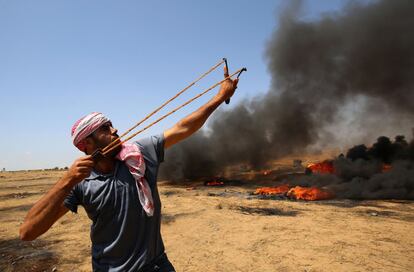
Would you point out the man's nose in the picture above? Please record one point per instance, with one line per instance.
(113, 131)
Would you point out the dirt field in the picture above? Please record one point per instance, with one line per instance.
(223, 229)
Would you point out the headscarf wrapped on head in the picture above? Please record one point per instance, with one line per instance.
(129, 153)
(85, 127)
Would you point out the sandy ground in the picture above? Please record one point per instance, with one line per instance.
(223, 229)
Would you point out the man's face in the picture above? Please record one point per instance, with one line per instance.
(102, 137)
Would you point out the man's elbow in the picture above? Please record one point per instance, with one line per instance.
(175, 135)
(25, 234)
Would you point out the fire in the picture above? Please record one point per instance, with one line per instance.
(386, 168)
(298, 192)
(283, 189)
(214, 183)
(325, 167)
(309, 193)
(218, 181)
(266, 172)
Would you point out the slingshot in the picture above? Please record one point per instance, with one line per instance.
(101, 153)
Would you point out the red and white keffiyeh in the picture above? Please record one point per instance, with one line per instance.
(129, 153)
(85, 127)
(133, 158)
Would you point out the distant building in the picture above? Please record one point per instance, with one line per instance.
(3, 170)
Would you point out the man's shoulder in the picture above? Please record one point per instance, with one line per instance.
(152, 148)
(150, 141)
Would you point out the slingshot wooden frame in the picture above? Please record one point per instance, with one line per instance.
(114, 144)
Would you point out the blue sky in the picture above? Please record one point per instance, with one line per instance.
(60, 60)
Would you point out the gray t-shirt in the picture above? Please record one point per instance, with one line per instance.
(123, 237)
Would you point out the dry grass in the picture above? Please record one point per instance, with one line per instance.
(221, 229)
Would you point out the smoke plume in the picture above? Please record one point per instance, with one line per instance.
(361, 173)
(317, 68)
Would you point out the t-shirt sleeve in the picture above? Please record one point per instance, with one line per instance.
(153, 148)
(74, 198)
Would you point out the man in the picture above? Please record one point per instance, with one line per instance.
(119, 192)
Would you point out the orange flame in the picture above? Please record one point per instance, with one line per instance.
(283, 189)
(311, 193)
(386, 167)
(266, 172)
(325, 167)
(214, 183)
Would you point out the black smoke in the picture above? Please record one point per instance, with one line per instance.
(317, 67)
(384, 150)
(362, 173)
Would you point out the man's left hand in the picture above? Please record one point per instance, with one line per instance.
(228, 87)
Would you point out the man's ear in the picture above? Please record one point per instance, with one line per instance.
(90, 144)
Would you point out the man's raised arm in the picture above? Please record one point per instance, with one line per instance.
(193, 122)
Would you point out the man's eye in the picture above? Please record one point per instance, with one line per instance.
(105, 127)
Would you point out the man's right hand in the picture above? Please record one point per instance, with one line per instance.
(80, 169)
(47, 210)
